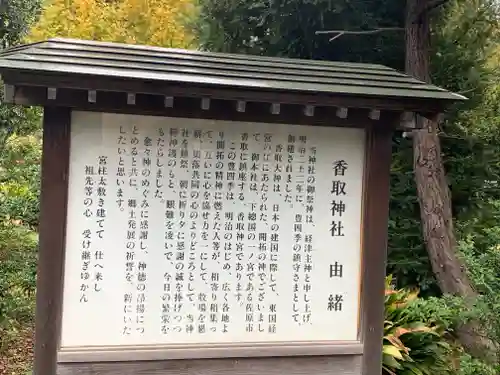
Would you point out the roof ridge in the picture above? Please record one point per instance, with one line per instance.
(21, 47)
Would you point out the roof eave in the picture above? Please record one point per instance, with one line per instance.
(19, 76)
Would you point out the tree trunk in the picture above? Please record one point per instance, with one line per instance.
(432, 186)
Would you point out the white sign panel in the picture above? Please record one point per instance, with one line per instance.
(189, 231)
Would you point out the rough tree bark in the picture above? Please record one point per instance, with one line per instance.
(432, 186)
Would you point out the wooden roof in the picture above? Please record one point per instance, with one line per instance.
(81, 64)
(175, 65)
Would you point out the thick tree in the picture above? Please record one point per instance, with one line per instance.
(432, 185)
(463, 38)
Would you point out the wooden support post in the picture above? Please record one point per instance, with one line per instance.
(376, 214)
(55, 165)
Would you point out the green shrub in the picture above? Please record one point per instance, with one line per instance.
(480, 249)
(412, 346)
(20, 179)
(20, 155)
(18, 258)
(19, 192)
(473, 366)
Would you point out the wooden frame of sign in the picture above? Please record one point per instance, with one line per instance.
(87, 105)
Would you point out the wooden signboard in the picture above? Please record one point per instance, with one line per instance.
(194, 229)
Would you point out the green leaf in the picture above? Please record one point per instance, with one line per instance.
(392, 351)
(391, 362)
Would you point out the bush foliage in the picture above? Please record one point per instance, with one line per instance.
(412, 344)
(19, 192)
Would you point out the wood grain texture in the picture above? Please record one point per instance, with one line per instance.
(375, 221)
(162, 352)
(189, 107)
(339, 365)
(422, 106)
(54, 187)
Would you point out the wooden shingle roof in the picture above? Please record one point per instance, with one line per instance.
(71, 56)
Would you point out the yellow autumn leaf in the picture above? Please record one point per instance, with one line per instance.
(392, 351)
(152, 22)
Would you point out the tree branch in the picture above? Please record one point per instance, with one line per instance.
(358, 32)
(467, 91)
(431, 5)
